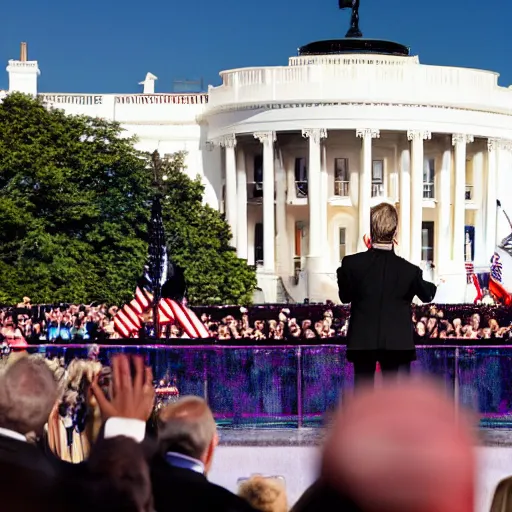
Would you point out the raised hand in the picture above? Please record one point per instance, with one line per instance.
(132, 397)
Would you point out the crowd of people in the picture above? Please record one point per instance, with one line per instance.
(136, 458)
(28, 324)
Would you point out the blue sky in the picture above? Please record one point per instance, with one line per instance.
(109, 45)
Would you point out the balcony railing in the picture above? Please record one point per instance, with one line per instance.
(469, 193)
(377, 189)
(254, 191)
(301, 189)
(428, 191)
(341, 188)
(384, 82)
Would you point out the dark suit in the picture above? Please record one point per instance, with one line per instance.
(380, 287)
(184, 489)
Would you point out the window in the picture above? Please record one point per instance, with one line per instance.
(343, 243)
(298, 239)
(301, 178)
(258, 176)
(378, 178)
(341, 177)
(429, 171)
(427, 241)
(258, 243)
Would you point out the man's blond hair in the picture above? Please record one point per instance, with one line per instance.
(384, 222)
(187, 427)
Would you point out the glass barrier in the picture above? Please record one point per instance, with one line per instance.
(295, 386)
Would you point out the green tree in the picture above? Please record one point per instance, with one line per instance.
(199, 238)
(73, 203)
(75, 200)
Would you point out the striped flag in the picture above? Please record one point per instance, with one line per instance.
(129, 318)
(470, 270)
(496, 268)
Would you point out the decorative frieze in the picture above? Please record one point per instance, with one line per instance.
(413, 135)
(265, 137)
(462, 138)
(315, 134)
(371, 133)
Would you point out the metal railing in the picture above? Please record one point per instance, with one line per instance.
(254, 191)
(377, 189)
(295, 385)
(301, 189)
(341, 188)
(428, 191)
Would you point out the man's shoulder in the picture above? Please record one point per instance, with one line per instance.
(193, 488)
(407, 265)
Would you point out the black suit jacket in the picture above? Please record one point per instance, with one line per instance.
(183, 489)
(380, 287)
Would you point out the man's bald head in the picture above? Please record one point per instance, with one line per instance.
(401, 449)
(187, 427)
(28, 392)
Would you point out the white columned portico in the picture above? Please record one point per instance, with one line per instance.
(459, 141)
(268, 139)
(241, 199)
(491, 208)
(228, 142)
(417, 137)
(365, 183)
(317, 231)
(443, 245)
(404, 228)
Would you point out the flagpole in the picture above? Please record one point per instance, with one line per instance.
(498, 206)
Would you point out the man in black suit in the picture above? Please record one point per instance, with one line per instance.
(187, 437)
(380, 287)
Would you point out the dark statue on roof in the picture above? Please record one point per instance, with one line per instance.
(354, 22)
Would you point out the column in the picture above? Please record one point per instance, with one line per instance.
(443, 224)
(417, 137)
(268, 139)
(459, 141)
(241, 198)
(491, 208)
(316, 218)
(481, 256)
(230, 203)
(404, 227)
(324, 174)
(283, 258)
(365, 183)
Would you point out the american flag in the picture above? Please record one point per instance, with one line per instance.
(470, 270)
(128, 319)
(157, 277)
(496, 267)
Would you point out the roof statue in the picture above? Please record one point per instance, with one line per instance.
(354, 22)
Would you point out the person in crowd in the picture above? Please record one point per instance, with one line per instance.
(28, 392)
(400, 448)
(380, 287)
(187, 436)
(121, 462)
(264, 494)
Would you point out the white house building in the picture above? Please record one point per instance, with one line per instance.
(296, 155)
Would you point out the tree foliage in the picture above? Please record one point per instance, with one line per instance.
(74, 203)
(199, 239)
